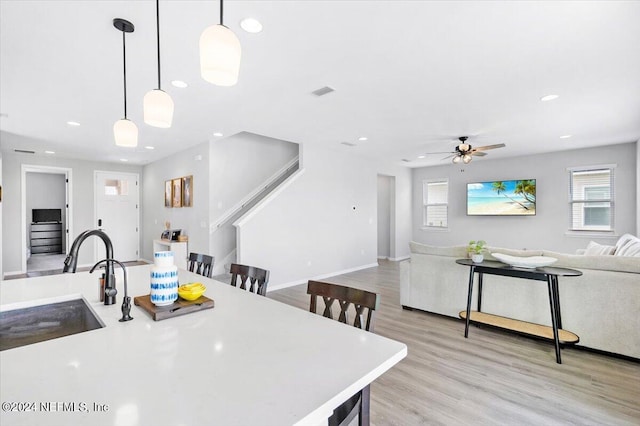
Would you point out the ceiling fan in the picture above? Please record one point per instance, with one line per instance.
(464, 151)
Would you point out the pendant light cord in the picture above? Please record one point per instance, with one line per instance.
(124, 61)
(221, 22)
(158, 37)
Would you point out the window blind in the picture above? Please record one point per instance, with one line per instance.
(591, 199)
(435, 199)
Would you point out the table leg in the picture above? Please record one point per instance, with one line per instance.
(466, 326)
(480, 275)
(554, 319)
(554, 281)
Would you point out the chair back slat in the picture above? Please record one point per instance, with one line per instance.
(201, 264)
(346, 297)
(258, 278)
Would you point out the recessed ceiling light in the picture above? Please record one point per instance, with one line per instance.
(251, 25)
(49, 152)
(73, 123)
(421, 156)
(549, 98)
(218, 134)
(150, 147)
(124, 160)
(363, 138)
(179, 83)
(565, 136)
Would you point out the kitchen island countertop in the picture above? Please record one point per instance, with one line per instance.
(248, 361)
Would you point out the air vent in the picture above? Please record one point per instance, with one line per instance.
(323, 91)
(348, 143)
(24, 151)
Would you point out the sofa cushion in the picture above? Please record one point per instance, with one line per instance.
(626, 245)
(598, 249)
(453, 251)
(604, 263)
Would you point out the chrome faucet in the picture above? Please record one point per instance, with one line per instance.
(126, 300)
(70, 263)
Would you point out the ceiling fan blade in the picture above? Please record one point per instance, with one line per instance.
(478, 153)
(443, 152)
(486, 147)
(447, 157)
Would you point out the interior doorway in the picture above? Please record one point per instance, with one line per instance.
(386, 216)
(46, 217)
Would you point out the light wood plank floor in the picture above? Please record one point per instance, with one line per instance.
(492, 378)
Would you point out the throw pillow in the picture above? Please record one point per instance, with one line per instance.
(595, 249)
(630, 248)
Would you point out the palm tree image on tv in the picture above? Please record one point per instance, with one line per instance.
(511, 197)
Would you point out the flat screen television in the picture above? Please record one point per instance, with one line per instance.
(502, 198)
(46, 215)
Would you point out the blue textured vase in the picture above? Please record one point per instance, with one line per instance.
(164, 279)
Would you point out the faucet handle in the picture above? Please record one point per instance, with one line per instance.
(110, 292)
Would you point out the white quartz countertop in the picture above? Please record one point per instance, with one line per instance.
(248, 361)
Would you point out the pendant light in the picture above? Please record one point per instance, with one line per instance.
(125, 131)
(158, 105)
(220, 53)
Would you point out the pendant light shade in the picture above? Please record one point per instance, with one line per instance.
(220, 53)
(158, 108)
(126, 133)
(158, 105)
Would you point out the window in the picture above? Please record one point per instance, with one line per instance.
(435, 196)
(591, 198)
(116, 187)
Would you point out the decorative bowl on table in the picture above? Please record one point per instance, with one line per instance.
(525, 262)
(191, 291)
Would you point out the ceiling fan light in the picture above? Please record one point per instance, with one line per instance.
(158, 109)
(464, 147)
(466, 159)
(456, 159)
(125, 133)
(220, 53)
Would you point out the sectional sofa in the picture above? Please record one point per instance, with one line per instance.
(602, 306)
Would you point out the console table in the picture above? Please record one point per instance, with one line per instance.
(548, 274)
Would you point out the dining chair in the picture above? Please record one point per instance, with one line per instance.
(362, 301)
(201, 264)
(258, 278)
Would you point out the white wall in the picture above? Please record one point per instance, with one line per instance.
(1, 203)
(401, 214)
(240, 164)
(548, 229)
(82, 201)
(311, 229)
(638, 187)
(194, 221)
(385, 188)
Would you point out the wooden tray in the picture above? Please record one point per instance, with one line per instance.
(177, 308)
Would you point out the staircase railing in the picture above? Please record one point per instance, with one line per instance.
(256, 195)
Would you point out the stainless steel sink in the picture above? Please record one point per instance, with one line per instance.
(33, 324)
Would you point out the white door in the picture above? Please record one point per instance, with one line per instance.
(117, 200)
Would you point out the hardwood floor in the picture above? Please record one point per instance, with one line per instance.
(491, 378)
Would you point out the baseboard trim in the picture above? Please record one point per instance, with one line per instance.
(398, 259)
(321, 277)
